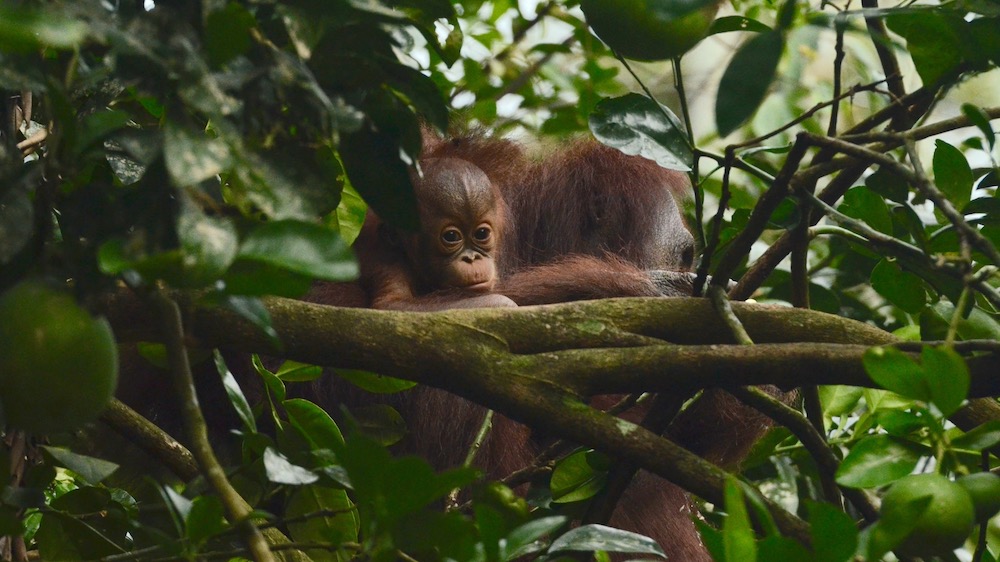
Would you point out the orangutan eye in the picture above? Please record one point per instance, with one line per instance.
(482, 234)
(451, 236)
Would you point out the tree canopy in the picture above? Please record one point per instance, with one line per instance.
(187, 169)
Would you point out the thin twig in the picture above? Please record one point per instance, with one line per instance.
(811, 439)
(196, 427)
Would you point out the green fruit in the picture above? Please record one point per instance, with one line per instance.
(58, 364)
(944, 524)
(984, 489)
(636, 30)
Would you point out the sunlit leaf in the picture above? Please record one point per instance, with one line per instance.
(878, 460)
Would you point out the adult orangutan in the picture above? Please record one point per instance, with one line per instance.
(586, 222)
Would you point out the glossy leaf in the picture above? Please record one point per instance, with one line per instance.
(574, 479)
(293, 371)
(521, 539)
(589, 538)
(314, 422)
(637, 125)
(281, 471)
(878, 460)
(235, 393)
(982, 437)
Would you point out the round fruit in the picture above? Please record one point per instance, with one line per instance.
(944, 524)
(635, 31)
(58, 364)
(984, 489)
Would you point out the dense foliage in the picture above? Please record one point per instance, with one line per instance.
(229, 150)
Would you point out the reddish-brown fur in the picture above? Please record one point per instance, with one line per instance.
(585, 222)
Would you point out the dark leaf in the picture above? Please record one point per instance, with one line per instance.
(747, 79)
(301, 247)
(637, 125)
(91, 470)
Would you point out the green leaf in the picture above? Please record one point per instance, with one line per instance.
(340, 526)
(227, 33)
(192, 157)
(301, 247)
(838, 400)
(208, 245)
(380, 422)
(952, 173)
(878, 460)
(95, 128)
(982, 437)
(574, 479)
(205, 519)
(639, 126)
(351, 214)
(235, 394)
(947, 377)
(727, 24)
(738, 535)
(372, 382)
(252, 310)
(293, 371)
(746, 80)
(888, 184)
(63, 537)
(317, 425)
(90, 469)
(784, 549)
(834, 534)
(978, 117)
(933, 40)
(248, 277)
(376, 171)
(281, 471)
(900, 287)
(589, 538)
(896, 371)
(522, 538)
(24, 29)
(864, 204)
